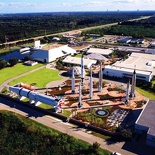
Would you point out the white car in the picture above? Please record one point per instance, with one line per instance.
(116, 153)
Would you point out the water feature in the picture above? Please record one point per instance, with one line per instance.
(14, 54)
(102, 113)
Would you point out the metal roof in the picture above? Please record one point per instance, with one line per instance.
(96, 56)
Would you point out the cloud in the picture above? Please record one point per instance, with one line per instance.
(22, 4)
(2, 4)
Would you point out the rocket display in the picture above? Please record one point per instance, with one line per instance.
(36, 97)
(73, 81)
(82, 70)
(80, 96)
(132, 93)
(100, 78)
(127, 92)
(91, 84)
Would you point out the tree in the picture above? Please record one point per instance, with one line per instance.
(3, 63)
(13, 61)
(26, 58)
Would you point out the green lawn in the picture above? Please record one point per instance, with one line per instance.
(145, 93)
(40, 77)
(18, 69)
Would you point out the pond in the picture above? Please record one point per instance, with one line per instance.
(14, 54)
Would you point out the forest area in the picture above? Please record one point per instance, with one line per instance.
(20, 135)
(22, 26)
(144, 28)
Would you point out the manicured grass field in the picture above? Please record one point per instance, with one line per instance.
(18, 69)
(145, 93)
(40, 78)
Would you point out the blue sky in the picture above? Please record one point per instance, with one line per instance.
(18, 6)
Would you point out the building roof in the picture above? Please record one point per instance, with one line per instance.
(147, 117)
(77, 61)
(124, 40)
(138, 61)
(96, 56)
(100, 51)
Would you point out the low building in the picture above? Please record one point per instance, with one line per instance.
(124, 40)
(145, 123)
(77, 61)
(143, 63)
(104, 52)
(49, 53)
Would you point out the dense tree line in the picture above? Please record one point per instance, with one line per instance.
(21, 136)
(137, 29)
(22, 26)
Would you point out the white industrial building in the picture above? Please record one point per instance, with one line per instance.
(145, 123)
(77, 61)
(104, 52)
(143, 63)
(49, 53)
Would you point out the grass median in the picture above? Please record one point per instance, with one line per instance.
(40, 77)
(18, 69)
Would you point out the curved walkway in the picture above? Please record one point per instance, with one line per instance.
(18, 76)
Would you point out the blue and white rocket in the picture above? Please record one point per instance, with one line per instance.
(36, 97)
(132, 92)
(73, 81)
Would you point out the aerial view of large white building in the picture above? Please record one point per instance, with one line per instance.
(143, 63)
(50, 53)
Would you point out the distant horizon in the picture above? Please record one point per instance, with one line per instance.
(37, 6)
(80, 11)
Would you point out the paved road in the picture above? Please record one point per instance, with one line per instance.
(57, 124)
(134, 148)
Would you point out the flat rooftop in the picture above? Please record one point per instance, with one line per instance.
(147, 117)
(51, 46)
(100, 51)
(137, 61)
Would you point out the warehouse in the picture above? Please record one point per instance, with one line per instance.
(145, 123)
(143, 63)
(50, 53)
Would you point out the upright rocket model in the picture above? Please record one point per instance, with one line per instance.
(100, 78)
(38, 98)
(73, 81)
(91, 84)
(132, 92)
(80, 96)
(82, 70)
(127, 92)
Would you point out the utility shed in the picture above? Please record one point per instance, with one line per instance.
(145, 123)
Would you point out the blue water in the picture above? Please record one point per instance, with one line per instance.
(15, 54)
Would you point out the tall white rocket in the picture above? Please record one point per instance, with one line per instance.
(80, 96)
(127, 92)
(73, 81)
(82, 70)
(100, 78)
(91, 83)
(132, 93)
